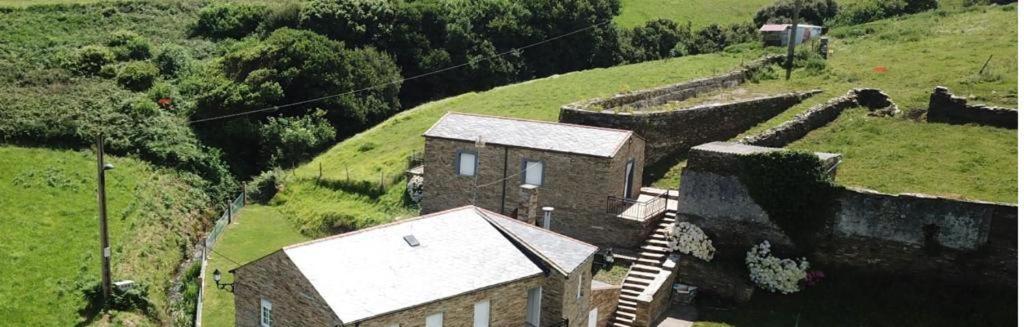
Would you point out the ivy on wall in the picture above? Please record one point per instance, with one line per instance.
(795, 190)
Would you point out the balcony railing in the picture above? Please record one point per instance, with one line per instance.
(641, 209)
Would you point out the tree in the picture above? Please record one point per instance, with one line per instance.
(815, 12)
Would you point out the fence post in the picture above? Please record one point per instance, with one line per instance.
(243, 194)
(229, 211)
(382, 181)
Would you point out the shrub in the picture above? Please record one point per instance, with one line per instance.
(128, 45)
(872, 10)
(656, 39)
(229, 20)
(91, 59)
(137, 75)
(690, 239)
(774, 274)
(709, 39)
(171, 59)
(286, 141)
(414, 188)
(264, 186)
(815, 12)
(352, 21)
(135, 298)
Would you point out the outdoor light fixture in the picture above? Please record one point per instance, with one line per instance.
(216, 280)
(108, 166)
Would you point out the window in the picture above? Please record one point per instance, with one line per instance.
(533, 172)
(266, 318)
(465, 164)
(579, 286)
(627, 191)
(435, 320)
(482, 314)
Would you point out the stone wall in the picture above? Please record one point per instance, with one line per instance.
(654, 300)
(820, 115)
(560, 297)
(577, 186)
(904, 233)
(675, 131)
(604, 298)
(294, 300)
(717, 278)
(508, 308)
(944, 107)
(675, 92)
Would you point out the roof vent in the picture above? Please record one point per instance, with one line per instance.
(413, 242)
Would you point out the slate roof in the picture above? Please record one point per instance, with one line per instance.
(374, 271)
(568, 138)
(562, 252)
(774, 27)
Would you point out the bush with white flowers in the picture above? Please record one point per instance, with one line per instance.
(774, 274)
(690, 239)
(415, 188)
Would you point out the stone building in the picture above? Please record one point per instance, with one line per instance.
(589, 176)
(461, 267)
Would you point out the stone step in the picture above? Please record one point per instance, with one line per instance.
(653, 248)
(670, 213)
(657, 242)
(622, 319)
(637, 280)
(623, 301)
(646, 268)
(626, 308)
(649, 262)
(631, 316)
(658, 236)
(635, 286)
(664, 225)
(630, 292)
(654, 255)
(619, 324)
(642, 274)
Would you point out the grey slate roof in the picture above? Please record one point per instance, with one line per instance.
(374, 271)
(562, 252)
(593, 141)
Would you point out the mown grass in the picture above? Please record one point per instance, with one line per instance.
(50, 250)
(917, 52)
(255, 232)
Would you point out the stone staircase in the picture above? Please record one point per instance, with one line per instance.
(644, 269)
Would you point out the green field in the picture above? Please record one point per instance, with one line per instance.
(918, 53)
(699, 12)
(255, 232)
(51, 247)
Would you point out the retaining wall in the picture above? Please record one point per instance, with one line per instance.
(675, 131)
(944, 107)
(895, 233)
(820, 115)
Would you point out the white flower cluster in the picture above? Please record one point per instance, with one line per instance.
(690, 239)
(774, 274)
(415, 188)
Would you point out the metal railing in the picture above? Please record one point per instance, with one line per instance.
(638, 210)
(219, 225)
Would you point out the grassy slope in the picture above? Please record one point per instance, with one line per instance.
(50, 230)
(700, 12)
(386, 147)
(919, 52)
(257, 231)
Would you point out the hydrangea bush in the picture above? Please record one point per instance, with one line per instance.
(774, 274)
(690, 239)
(415, 188)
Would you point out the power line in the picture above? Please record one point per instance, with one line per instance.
(470, 62)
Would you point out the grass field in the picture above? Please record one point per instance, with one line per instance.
(700, 12)
(51, 247)
(255, 232)
(918, 53)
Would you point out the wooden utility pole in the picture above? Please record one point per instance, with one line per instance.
(792, 37)
(101, 171)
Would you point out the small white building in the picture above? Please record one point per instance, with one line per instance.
(778, 34)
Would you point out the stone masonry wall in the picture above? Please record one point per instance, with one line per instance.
(577, 186)
(508, 307)
(675, 131)
(944, 107)
(294, 301)
(560, 296)
(820, 115)
(905, 233)
(604, 298)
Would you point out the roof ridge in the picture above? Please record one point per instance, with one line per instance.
(536, 121)
(548, 231)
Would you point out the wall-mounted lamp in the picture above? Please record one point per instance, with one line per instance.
(216, 280)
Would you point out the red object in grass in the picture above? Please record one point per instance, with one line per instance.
(814, 277)
(880, 69)
(166, 103)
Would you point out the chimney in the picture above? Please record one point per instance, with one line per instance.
(528, 204)
(547, 217)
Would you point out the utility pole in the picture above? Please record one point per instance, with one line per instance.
(101, 170)
(792, 37)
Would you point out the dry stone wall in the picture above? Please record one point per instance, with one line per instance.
(895, 233)
(675, 131)
(820, 115)
(944, 107)
(604, 298)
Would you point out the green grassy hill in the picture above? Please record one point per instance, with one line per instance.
(700, 12)
(51, 247)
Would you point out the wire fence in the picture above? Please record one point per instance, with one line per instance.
(230, 210)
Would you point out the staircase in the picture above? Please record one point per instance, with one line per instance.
(647, 265)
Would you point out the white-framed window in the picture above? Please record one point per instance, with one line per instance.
(465, 163)
(533, 172)
(435, 320)
(579, 286)
(266, 315)
(482, 313)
